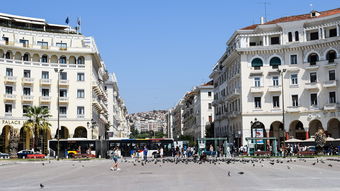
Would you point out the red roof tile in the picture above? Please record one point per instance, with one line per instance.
(296, 18)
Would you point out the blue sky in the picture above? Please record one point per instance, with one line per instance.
(161, 49)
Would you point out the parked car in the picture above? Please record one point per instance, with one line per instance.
(4, 156)
(23, 153)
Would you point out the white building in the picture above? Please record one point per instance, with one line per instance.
(117, 110)
(198, 111)
(250, 94)
(31, 51)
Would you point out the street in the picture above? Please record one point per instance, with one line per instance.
(96, 175)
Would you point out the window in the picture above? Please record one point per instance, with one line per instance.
(331, 74)
(331, 56)
(25, 108)
(290, 37)
(332, 97)
(24, 42)
(313, 99)
(293, 59)
(276, 101)
(209, 94)
(6, 39)
(257, 81)
(63, 75)
(80, 110)
(8, 108)
(295, 101)
(27, 91)
(9, 72)
(257, 63)
(313, 58)
(62, 60)
(81, 60)
(313, 77)
(63, 93)
(296, 36)
(80, 76)
(42, 44)
(45, 75)
(209, 106)
(294, 79)
(275, 40)
(61, 45)
(44, 59)
(27, 73)
(332, 32)
(257, 101)
(45, 92)
(80, 93)
(26, 57)
(63, 110)
(275, 80)
(9, 90)
(8, 55)
(275, 62)
(314, 35)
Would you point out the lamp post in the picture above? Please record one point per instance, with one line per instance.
(283, 109)
(58, 71)
(93, 123)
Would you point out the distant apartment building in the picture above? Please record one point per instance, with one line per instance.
(280, 79)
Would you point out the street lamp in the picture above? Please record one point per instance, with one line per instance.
(283, 108)
(93, 123)
(59, 71)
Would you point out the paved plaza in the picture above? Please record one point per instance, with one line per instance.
(96, 175)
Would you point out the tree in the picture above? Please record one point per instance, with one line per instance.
(37, 122)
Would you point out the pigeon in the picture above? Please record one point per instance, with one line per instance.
(134, 164)
(240, 172)
(73, 165)
(41, 185)
(288, 167)
(330, 165)
(261, 165)
(49, 162)
(313, 163)
(82, 166)
(142, 164)
(229, 173)
(272, 163)
(254, 165)
(43, 164)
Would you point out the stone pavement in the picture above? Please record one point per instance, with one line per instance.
(96, 175)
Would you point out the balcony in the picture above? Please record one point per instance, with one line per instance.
(256, 72)
(309, 66)
(293, 109)
(312, 86)
(63, 115)
(27, 80)
(63, 48)
(330, 84)
(9, 97)
(27, 98)
(314, 107)
(233, 114)
(103, 118)
(255, 90)
(293, 69)
(97, 88)
(45, 82)
(45, 99)
(215, 102)
(331, 63)
(96, 104)
(63, 82)
(274, 89)
(235, 93)
(10, 79)
(331, 106)
(63, 99)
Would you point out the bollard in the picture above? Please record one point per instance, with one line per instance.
(100, 156)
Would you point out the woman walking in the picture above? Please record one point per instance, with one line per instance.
(115, 156)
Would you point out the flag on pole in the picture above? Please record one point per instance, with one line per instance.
(78, 21)
(67, 20)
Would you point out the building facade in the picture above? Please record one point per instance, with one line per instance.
(280, 79)
(32, 55)
(118, 124)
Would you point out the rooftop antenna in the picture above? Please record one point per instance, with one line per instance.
(311, 7)
(265, 3)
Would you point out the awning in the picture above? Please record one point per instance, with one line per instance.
(275, 61)
(27, 21)
(293, 140)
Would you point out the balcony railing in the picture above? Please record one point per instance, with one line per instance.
(10, 97)
(45, 99)
(311, 66)
(27, 80)
(45, 81)
(259, 89)
(312, 86)
(330, 84)
(274, 89)
(63, 99)
(293, 109)
(63, 82)
(27, 98)
(10, 79)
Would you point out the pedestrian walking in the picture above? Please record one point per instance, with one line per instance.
(145, 153)
(115, 156)
(161, 152)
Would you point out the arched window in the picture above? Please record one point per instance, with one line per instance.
(257, 63)
(296, 36)
(8, 55)
(313, 58)
(62, 60)
(275, 62)
(81, 60)
(290, 37)
(26, 57)
(44, 58)
(330, 56)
